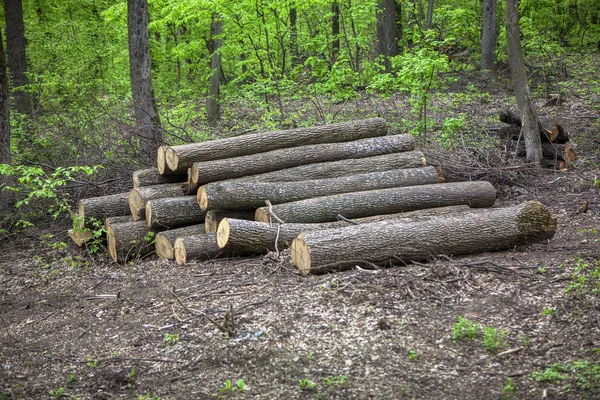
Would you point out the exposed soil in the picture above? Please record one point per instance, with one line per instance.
(101, 331)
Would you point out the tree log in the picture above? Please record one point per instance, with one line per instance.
(260, 237)
(166, 240)
(214, 217)
(151, 177)
(238, 195)
(98, 208)
(337, 169)
(173, 211)
(202, 246)
(161, 162)
(383, 201)
(180, 158)
(129, 240)
(386, 241)
(558, 134)
(80, 236)
(138, 197)
(210, 171)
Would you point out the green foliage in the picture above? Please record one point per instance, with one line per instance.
(509, 388)
(585, 280)
(230, 387)
(585, 374)
(171, 338)
(465, 329)
(92, 363)
(413, 355)
(58, 393)
(147, 396)
(493, 339)
(71, 378)
(336, 380)
(306, 384)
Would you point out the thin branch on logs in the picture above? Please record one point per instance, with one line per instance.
(348, 220)
(271, 213)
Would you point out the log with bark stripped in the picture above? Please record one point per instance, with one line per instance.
(138, 197)
(98, 208)
(165, 240)
(202, 246)
(151, 177)
(180, 158)
(234, 195)
(173, 211)
(214, 217)
(383, 201)
(397, 241)
(210, 171)
(129, 240)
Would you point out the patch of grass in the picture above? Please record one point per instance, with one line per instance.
(493, 338)
(413, 355)
(306, 384)
(336, 380)
(147, 396)
(585, 374)
(548, 311)
(58, 393)
(585, 281)
(92, 363)
(509, 388)
(171, 338)
(71, 378)
(465, 329)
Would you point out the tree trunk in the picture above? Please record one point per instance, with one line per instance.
(151, 177)
(140, 75)
(214, 217)
(129, 240)
(80, 236)
(173, 211)
(429, 22)
(7, 198)
(388, 241)
(387, 32)
(383, 201)
(213, 107)
(180, 158)
(521, 86)
(165, 241)
(245, 195)
(140, 196)
(99, 208)
(558, 134)
(210, 171)
(260, 237)
(335, 31)
(488, 35)
(16, 51)
(294, 36)
(202, 246)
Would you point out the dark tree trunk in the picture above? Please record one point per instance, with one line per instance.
(213, 108)
(531, 136)
(6, 196)
(294, 36)
(15, 49)
(140, 75)
(429, 22)
(335, 31)
(387, 32)
(488, 35)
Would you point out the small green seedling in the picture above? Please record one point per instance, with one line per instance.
(412, 355)
(464, 329)
(306, 384)
(92, 363)
(171, 338)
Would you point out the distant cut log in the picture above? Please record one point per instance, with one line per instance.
(180, 158)
(558, 134)
(260, 237)
(210, 171)
(166, 240)
(129, 240)
(235, 195)
(383, 201)
(98, 208)
(202, 246)
(214, 217)
(80, 236)
(336, 169)
(138, 197)
(173, 211)
(151, 177)
(558, 156)
(389, 241)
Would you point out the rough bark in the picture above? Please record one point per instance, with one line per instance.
(488, 35)
(335, 31)
(398, 241)
(140, 75)
(180, 158)
(173, 211)
(129, 240)
(387, 32)
(80, 236)
(245, 195)
(383, 201)
(274, 160)
(558, 134)
(521, 85)
(213, 107)
(260, 237)
(99, 208)
(138, 197)
(151, 177)
(165, 241)
(294, 36)
(429, 22)
(16, 45)
(214, 217)
(7, 197)
(202, 246)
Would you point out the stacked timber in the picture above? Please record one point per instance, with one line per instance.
(306, 189)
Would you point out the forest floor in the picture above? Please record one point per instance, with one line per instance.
(77, 326)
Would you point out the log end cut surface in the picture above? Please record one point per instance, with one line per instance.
(301, 254)
(179, 251)
(223, 233)
(202, 199)
(136, 205)
(161, 161)
(164, 248)
(172, 159)
(261, 215)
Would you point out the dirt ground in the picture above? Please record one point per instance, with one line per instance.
(75, 326)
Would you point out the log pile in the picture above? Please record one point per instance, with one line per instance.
(338, 195)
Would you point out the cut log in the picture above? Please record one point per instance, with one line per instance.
(166, 240)
(161, 162)
(238, 195)
(138, 197)
(173, 211)
(180, 158)
(383, 201)
(80, 236)
(210, 171)
(151, 177)
(558, 156)
(214, 217)
(336, 169)
(129, 240)
(260, 237)
(98, 208)
(389, 241)
(192, 188)
(202, 246)
(558, 134)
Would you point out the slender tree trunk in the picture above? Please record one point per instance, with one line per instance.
(387, 32)
(488, 35)
(529, 130)
(6, 196)
(429, 22)
(294, 36)
(140, 75)
(335, 31)
(15, 49)
(213, 108)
